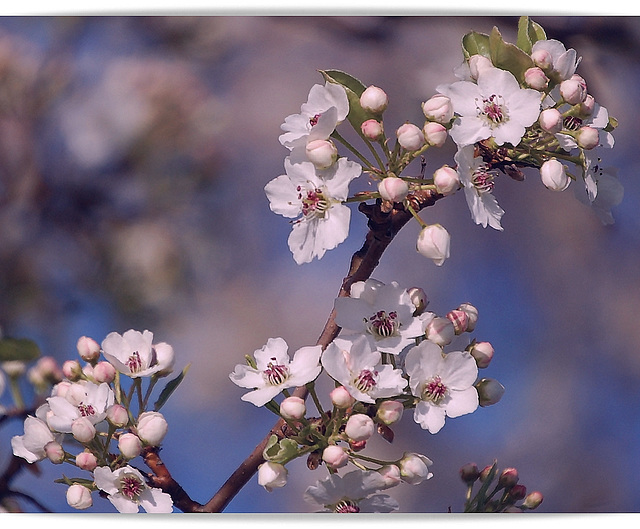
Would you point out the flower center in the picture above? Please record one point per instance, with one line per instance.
(313, 121)
(383, 325)
(434, 390)
(134, 363)
(572, 123)
(86, 409)
(493, 110)
(346, 505)
(131, 487)
(314, 203)
(276, 374)
(482, 179)
(366, 380)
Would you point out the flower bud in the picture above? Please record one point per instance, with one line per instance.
(459, 319)
(440, 331)
(391, 475)
(165, 357)
(72, 370)
(104, 372)
(356, 446)
(48, 370)
(86, 461)
(438, 108)
(372, 129)
(61, 389)
(79, 497)
(410, 137)
(435, 134)
(129, 445)
(482, 352)
(414, 468)
(293, 408)
(550, 120)
(478, 63)
(469, 473)
(321, 153)
(490, 391)
(517, 492)
(151, 427)
(374, 100)
(587, 106)
(88, 349)
(334, 456)
(508, 478)
(390, 411)
(82, 430)
(54, 452)
(535, 78)
(574, 90)
(393, 189)
(117, 415)
(587, 137)
(433, 242)
(532, 500)
(542, 59)
(472, 315)
(554, 175)
(484, 473)
(446, 180)
(359, 427)
(341, 398)
(272, 475)
(419, 299)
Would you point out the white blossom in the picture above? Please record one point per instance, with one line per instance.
(132, 353)
(37, 435)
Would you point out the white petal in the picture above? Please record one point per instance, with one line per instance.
(283, 197)
(429, 417)
(462, 402)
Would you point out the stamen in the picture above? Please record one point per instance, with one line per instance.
(383, 325)
(482, 179)
(276, 374)
(366, 380)
(345, 506)
(86, 409)
(434, 390)
(314, 204)
(572, 123)
(131, 486)
(313, 121)
(493, 110)
(134, 363)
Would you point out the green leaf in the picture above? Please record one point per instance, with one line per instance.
(613, 123)
(354, 88)
(508, 57)
(474, 43)
(170, 388)
(529, 33)
(280, 451)
(18, 349)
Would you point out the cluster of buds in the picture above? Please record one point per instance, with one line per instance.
(499, 490)
(97, 418)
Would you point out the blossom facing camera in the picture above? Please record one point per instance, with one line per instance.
(393, 189)
(433, 242)
(374, 100)
(554, 175)
(359, 427)
(131, 353)
(272, 475)
(321, 153)
(410, 137)
(79, 497)
(438, 108)
(152, 427)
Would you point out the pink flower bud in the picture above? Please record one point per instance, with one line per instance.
(293, 408)
(459, 319)
(129, 445)
(446, 180)
(359, 427)
(334, 456)
(104, 372)
(554, 175)
(535, 78)
(472, 315)
(321, 153)
(574, 90)
(272, 475)
(341, 398)
(490, 391)
(433, 242)
(61, 389)
(390, 411)
(72, 370)
(48, 369)
(478, 63)
(117, 415)
(587, 137)
(419, 299)
(483, 353)
(88, 349)
(165, 357)
(542, 58)
(54, 452)
(435, 134)
(438, 108)
(532, 500)
(79, 497)
(393, 189)
(440, 331)
(508, 478)
(517, 492)
(391, 475)
(372, 129)
(414, 468)
(550, 120)
(469, 473)
(86, 461)
(151, 427)
(410, 137)
(82, 430)
(587, 106)
(484, 473)
(374, 100)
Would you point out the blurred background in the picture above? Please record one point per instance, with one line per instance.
(133, 156)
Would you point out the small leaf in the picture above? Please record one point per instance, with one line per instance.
(354, 88)
(474, 43)
(613, 123)
(21, 349)
(508, 57)
(529, 33)
(170, 388)
(280, 451)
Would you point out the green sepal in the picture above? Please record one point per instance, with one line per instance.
(281, 451)
(529, 32)
(508, 56)
(171, 386)
(21, 349)
(613, 123)
(354, 88)
(474, 43)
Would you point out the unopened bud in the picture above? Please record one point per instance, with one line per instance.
(86, 461)
(359, 427)
(72, 370)
(335, 457)
(117, 415)
(517, 492)
(151, 427)
(535, 78)
(419, 299)
(14, 368)
(54, 452)
(440, 331)
(477, 64)
(554, 175)
(587, 137)
(374, 99)
(414, 468)
(484, 473)
(341, 398)
(88, 349)
(532, 500)
(508, 478)
(574, 90)
(459, 319)
(469, 473)
(79, 497)
(390, 411)
(446, 180)
(391, 475)
(438, 108)
(293, 408)
(129, 445)
(321, 153)
(410, 137)
(550, 120)
(272, 475)
(433, 242)
(587, 106)
(82, 430)
(490, 391)
(165, 356)
(104, 372)
(435, 134)
(542, 59)
(472, 315)
(372, 129)
(482, 352)
(393, 189)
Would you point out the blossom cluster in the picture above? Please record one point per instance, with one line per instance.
(389, 357)
(94, 422)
